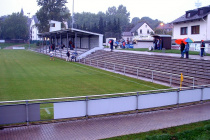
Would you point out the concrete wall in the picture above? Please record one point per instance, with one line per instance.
(144, 44)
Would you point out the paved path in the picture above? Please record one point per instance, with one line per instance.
(163, 54)
(104, 127)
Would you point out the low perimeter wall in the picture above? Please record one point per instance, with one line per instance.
(28, 111)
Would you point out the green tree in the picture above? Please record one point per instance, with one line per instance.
(135, 20)
(15, 27)
(51, 10)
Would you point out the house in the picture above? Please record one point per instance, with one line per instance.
(141, 31)
(140, 34)
(194, 24)
(33, 29)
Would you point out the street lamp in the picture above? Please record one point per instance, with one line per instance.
(162, 25)
(29, 30)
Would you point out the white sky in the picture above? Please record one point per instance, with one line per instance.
(164, 10)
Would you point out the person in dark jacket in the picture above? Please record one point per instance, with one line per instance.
(182, 47)
(202, 47)
(187, 48)
(111, 44)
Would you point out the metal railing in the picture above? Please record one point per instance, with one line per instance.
(26, 111)
(105, 64)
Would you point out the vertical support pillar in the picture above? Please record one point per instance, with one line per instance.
(27, 116)
(178, 98)
(137, 102)
(124, 70)
(152, 75)
(193, 82)
(67, 41)
(170, 80)
(75, 42)
(86, 100)
(201, 94)
(137, 73)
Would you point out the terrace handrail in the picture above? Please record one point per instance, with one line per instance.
(140, 68)
(102, 95)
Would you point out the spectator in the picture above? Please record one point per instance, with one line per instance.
(182, 47)
(68, 55)
(111, 44)
(187, 48)
(202, 48)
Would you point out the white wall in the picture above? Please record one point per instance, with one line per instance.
(34, 31)
(203, 35)
(57, 25)
(144, 35)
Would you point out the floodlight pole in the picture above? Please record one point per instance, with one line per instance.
(72, 15)
(29, 30)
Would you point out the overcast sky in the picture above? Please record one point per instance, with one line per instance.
(164, 10)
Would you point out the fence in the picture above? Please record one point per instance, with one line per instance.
(26, 111)
(143, 72)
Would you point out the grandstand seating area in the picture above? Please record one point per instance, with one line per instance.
(161, 68)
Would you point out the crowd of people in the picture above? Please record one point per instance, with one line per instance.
(71, 46)
(185, 47)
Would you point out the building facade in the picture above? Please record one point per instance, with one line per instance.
(141, 31)
(33, 29)
(194, 24)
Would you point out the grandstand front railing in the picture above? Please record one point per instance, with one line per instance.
(28, 111)
(139, 72)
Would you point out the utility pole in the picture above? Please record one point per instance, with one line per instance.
(29, 30)
(73, 14)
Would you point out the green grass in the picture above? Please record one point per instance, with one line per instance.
(4, 45)
(166, 51)
(194, 131)
(28, 75)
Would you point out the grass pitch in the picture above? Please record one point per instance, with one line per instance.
(26, 75)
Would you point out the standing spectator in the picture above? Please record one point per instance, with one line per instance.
(123, 44)
(187, 48)
(161, 43)
(158, 44)
(202, 47)
(111, 44)
(68, 55)
(182, 47)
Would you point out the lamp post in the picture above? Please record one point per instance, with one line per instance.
(29, 30)
(162, 25)
(73, 15)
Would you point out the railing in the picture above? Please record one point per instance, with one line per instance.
(26, 111)
(104, 64)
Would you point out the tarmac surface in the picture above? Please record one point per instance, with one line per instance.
(162, 54)
(105, 127)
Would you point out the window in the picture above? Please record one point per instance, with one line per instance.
(146, 26)
(147, 31)
(141, 31)
(183, 31)
(195, 29)
(52, 25)
(188, 15)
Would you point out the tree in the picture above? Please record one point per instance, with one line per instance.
(15, 27)
(51, 10)
(135, 20)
